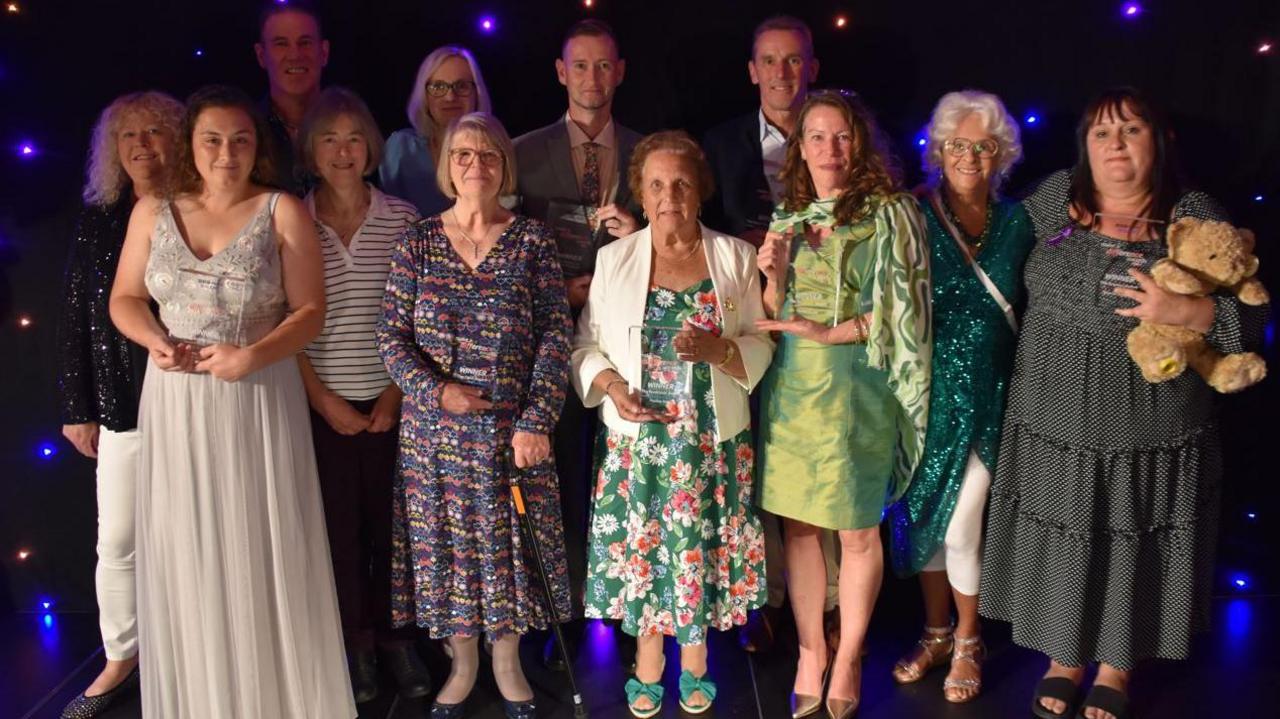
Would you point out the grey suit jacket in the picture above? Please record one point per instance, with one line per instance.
(544, 171)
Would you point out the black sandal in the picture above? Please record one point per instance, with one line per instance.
(1060, 688)
(1115, 703)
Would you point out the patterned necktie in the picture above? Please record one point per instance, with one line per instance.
(591, 181)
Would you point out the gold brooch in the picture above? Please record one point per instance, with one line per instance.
(728, 305)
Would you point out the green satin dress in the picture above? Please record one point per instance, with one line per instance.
(842, 426)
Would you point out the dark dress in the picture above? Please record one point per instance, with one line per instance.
(458, 563)
(1103, 512)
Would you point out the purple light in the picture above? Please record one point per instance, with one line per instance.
(26, 150)
(199, 52)
(487, 23)
(1131, 10)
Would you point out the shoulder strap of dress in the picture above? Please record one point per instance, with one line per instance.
(271, 203)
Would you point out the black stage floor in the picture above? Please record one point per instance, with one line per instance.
(44, 663)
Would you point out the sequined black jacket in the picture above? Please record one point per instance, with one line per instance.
(99, 371)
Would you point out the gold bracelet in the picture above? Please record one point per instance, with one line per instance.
(730, 351)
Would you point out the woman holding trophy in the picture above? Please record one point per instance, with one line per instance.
(667, 347)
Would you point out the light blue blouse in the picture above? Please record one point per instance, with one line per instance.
(407, 171)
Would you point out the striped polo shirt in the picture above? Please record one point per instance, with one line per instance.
(345, 354)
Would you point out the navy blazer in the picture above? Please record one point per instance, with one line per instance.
(544, 171)
(742, 200)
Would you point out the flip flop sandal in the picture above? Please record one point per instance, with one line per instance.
(1060, 688)
(1108, 700)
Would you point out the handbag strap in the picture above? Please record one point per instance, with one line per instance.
(945, 220)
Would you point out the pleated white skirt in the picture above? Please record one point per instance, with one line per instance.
(237, 612)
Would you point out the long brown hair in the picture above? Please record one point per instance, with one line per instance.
(186, 178)
(874, 169)
(1166, 184)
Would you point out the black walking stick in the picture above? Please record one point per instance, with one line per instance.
(531, 541)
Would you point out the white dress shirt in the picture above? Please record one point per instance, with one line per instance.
(773, 149)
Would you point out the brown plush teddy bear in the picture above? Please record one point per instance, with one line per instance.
(1203, 256)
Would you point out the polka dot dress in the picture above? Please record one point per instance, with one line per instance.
(1103, 511)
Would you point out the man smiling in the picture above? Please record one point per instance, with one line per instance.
(293, 51)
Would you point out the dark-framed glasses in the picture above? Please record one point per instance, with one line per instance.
(440, 88)
(464, 156)
(959, 147)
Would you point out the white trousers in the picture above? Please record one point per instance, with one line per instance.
(961, 551)
(775, 562)
(115, 580)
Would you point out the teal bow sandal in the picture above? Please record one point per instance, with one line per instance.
(689, 684)
(636, 689)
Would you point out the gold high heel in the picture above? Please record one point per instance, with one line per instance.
(838, 708)
(803, 705)
(935, 649)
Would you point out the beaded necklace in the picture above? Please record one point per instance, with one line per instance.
(975, 243)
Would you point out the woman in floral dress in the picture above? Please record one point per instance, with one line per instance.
(475, 331)
(675, 545)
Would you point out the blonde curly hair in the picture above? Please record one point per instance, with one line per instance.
(105, 178)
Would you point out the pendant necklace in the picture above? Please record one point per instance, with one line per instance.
(475, 246)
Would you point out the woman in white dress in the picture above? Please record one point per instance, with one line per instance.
(238, 616)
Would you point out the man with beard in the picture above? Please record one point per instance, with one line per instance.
(572, 175)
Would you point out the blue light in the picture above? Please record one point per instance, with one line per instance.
(1239, 619)
(1257, 198)
(46, 450)
(48, 621)
(1130, 10)
(1240, 581)
(199, 52)
(1031, 118)
(1269, 334)
(46, 604)
(1251, 515)
(487, 24)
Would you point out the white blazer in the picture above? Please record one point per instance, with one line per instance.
(616, 303)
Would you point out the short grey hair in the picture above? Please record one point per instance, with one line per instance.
(488, 127)
(417, 107)
(951, 110)
(334, 102)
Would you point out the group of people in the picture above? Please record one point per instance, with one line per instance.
(311, 392)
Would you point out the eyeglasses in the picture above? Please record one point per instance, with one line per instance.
(959, 147)
(461, 88)
(463, 157)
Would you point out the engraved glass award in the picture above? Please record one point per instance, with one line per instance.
(665, 379)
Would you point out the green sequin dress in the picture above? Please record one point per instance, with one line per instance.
(842, 426)
(676, 547)
(973, 348)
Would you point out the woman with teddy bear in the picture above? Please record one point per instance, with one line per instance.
(1103, 510)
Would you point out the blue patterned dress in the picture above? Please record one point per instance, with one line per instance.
(458, 565)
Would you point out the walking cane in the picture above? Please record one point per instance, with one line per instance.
(526, 529)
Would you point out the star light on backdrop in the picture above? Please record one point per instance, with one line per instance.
(1130, 10)
(841, 22)
(1264, 48)
(487, 24)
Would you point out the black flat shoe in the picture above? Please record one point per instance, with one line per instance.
(83, 707)
(1115, 703)
(520, 710)
(448, 711)
(1060, 688)
(364, 676)
(410, 673)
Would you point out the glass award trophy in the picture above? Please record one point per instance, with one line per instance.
(213, 306)
(574, 228)
(664, 378)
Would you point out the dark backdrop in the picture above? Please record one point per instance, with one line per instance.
(61, 62)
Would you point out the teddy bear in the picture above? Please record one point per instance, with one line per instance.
(1203, 257)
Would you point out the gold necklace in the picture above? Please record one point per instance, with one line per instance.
(696, 246)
